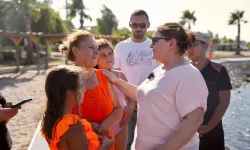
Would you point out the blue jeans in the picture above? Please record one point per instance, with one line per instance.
(131, 129)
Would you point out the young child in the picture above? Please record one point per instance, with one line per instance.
(64, 88)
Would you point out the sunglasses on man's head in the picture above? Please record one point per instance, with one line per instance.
(136, 25)
(156, 39)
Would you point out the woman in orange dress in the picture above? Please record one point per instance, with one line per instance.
(61, 129)
(100, 105)
(106, 61)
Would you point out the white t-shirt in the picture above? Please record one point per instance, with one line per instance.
(164, 100)
(135, 60)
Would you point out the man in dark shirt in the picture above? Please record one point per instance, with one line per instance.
(219, 87)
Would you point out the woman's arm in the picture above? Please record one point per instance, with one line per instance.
(75, 138)
(128, 89)
(130, 104)
(116, 115)
(106, 143)
(186, 130)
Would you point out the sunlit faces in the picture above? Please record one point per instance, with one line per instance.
(86, 53)
(196, 51)
(160, 47)
(139, 25)
(106, 58)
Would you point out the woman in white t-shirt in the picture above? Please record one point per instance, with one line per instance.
(172, 101)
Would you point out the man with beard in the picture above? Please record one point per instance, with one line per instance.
(133, 57)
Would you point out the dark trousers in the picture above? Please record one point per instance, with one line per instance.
(5, 139)
(213, 140)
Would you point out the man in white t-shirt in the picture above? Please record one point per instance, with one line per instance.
(134, 58)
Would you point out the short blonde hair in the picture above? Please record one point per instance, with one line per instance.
(73, 40)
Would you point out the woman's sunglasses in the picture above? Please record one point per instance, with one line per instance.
(156, 39)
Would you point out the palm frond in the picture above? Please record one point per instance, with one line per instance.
(194, 19)
(241, 14)
(231, 21)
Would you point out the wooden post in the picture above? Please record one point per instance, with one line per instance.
(17, 58)
(35, 41)
(17, 40)
(47, 54)
(66, 61)
(38, 57)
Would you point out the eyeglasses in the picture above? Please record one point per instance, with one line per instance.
(156, 39)
(136, 25)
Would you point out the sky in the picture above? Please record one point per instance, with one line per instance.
(211, 15)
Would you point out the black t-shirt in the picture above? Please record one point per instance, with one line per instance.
(217, 79)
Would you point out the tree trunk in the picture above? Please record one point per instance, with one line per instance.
(67, 15)
(189, 27)
(29, 41)
(81, 20)
(238, 39)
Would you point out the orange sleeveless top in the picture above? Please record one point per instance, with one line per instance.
(63, 126)
(97, 103)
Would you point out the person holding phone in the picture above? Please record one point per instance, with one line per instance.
(64, 88)
(6, 113)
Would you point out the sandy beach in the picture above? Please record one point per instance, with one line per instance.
(17, 87)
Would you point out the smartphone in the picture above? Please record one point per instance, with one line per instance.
(21, 103)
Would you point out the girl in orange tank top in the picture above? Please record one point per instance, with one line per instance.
(61, 129)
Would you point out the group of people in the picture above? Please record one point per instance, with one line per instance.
(175, 102)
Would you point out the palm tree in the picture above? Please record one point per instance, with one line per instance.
(188, 17)
(235, 19)
(77, 6)
(67, 14)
